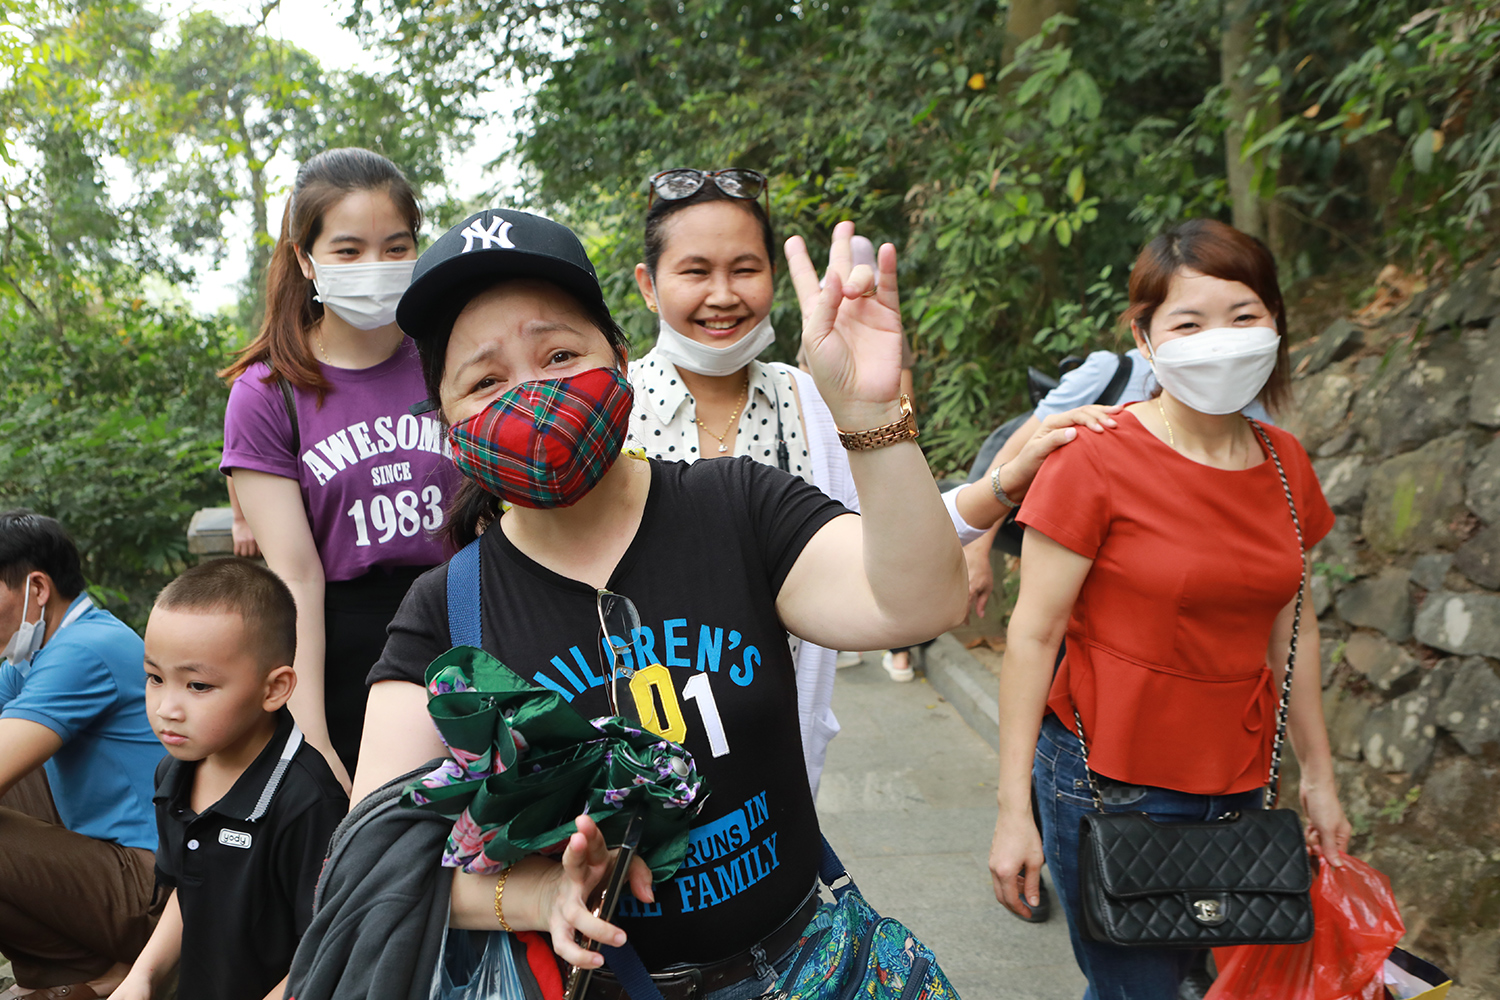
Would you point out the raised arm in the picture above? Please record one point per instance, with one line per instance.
(895, 575)
(273, 507)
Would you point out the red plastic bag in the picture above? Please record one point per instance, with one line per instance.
(1356, 924)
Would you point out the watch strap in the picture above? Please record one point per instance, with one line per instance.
(895, 432)
(999, 490)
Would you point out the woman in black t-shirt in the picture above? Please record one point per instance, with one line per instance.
(720, 558)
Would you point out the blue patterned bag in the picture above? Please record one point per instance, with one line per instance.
(850, 952)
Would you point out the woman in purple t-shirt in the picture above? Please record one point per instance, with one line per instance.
(342, 484)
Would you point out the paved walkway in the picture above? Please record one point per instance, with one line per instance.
(908, 801)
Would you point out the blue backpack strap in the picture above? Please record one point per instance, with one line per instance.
(464, 628)
(630, 971)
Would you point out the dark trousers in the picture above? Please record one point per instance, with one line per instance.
(70, 906)
(1061, 789)
(355, 615)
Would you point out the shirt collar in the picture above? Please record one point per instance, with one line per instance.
(661, 390)
(252, 793)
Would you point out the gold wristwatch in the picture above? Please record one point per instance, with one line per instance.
(904, 429)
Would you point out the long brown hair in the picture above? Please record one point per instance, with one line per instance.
(322, 182)
(1210, 247)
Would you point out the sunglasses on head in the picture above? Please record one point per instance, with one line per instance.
(684, 182)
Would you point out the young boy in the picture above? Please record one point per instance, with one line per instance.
(244, 806)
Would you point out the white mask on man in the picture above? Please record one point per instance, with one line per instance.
(28, 637)
(363, 295)
(1216, 371)
(704, 359)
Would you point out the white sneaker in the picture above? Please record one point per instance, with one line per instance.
(901, 675)
(848, 659)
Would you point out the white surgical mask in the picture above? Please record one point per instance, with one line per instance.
(363, 295)
(703, 359)
(1216, 371)
(28, 637)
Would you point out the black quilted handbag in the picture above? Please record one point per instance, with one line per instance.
(1243, 879)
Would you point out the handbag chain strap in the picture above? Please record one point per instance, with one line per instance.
(1273, 781)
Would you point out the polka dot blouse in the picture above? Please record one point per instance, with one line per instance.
(665, 420)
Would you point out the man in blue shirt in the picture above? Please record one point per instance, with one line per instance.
(75, 900)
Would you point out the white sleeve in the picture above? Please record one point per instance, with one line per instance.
(966, 532)
(830, 462)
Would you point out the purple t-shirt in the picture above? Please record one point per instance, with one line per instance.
(375, 479)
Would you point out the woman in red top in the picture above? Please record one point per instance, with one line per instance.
(1166, 554)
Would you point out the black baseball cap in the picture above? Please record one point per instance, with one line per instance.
(487, 247)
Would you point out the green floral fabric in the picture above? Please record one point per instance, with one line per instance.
(524, 765)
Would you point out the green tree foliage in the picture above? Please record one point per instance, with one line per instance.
(1018, 180)
(903, 115)
(116, 429)
(223, 99)
(1410, 122)
(126, 143)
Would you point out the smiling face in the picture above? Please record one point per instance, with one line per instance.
(713, 281)
(1196, 302)
(361, 228)
(520, 331)
(206, 692)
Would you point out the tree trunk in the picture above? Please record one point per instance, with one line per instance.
(1237, 42)
(261, 242)
(1026, 20)
(260, 236)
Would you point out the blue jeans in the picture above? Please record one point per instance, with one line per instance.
(1062, 794)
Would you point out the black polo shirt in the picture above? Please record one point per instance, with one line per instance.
(245, 869)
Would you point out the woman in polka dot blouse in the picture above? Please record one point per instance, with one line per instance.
(701, 393)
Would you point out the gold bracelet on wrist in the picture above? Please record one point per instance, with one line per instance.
(904, 429)
(499, 892)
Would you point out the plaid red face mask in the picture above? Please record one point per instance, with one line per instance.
(546, 444)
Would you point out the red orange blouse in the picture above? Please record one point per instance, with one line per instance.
(1167, 644)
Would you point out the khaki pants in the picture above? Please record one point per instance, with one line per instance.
(70, 906)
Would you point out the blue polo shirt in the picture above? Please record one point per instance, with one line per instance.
(88, 685)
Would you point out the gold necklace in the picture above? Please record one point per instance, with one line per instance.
(734, 418)
(1171, 438)
(321, 349)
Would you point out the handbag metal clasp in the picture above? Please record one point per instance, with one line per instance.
(1210, 912)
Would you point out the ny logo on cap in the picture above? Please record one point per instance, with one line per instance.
(497, 233)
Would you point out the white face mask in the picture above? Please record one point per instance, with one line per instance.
(363, 295)
(27, 638)
(1216, 371)
(702, 359)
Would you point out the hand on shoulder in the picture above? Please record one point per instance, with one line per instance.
(1055, 431)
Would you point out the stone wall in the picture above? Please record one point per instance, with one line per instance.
(1401, 417)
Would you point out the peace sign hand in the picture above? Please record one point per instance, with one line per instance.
(851, 330)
